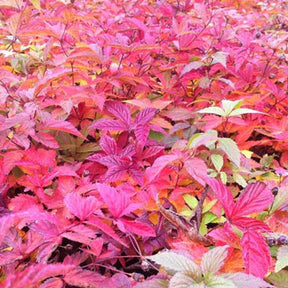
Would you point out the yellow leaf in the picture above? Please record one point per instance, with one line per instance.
(36, 4)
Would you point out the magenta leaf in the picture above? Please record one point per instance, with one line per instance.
(138, 228)
(81, 207)
(59, 125)
(120, 111)
(118, 202)
(94, 221)
(159, 164)
(223, 195)
(110, 125)
(108, 144)
(256, 254)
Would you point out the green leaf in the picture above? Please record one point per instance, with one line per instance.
(280, 199)
(213, 260)
(212, 110)
(177, 263)
(228, 106)
(217, 161)
(223, 177)
(241, 111)
(282, 258)
(191, 201)
(184, 280)
(239, 179)
(219, 57)
(208, 138)
(278, 279)
(231, 149)
(219, 282)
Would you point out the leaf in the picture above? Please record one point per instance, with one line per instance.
(136, 227)
(97, 222)
(242, 280)
(278, 279)
(110, 125)
(231, 149)
(191, 66)
(212, 110)
(223, 194)
(81, 207)
(197, 168)
(177, 263)
(152, 283)
(282, 258)
(219, 57)
(184, 280)
(120, 111)
(213, 260)
(119, 203)
(108, 144)
(59, 125)
(158, 165)
(36, 4)
(11, 3)
(219, 282)
(256, 254)
(255, 198)
(145, 115)
(241, 111)
(217, 161)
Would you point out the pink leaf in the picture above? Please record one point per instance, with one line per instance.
(135, 227)
(141, 133)
(225, 236)
(110, 125)
(254, 198)
(159, 164)
(81, 207)
(119, 203)
(46, 139)
(249, 223)
(108, 144)
(197, 168)
(59, 125)
(96, 222)
(223, 194)
(145, 115)
(120, 111)
(256, 254)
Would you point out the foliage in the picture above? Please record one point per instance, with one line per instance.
(131, 127)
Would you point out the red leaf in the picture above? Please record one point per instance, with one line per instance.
(256, 254)
(135, 227)
(197, 168)
(60, 125)
(254, 198)
(81, 207)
